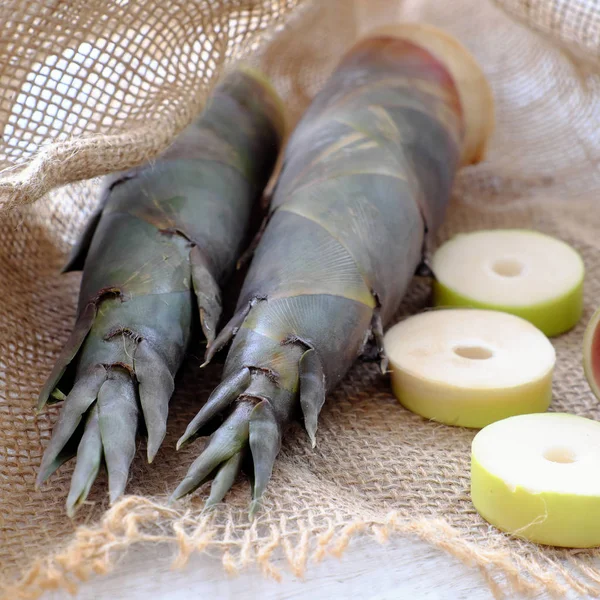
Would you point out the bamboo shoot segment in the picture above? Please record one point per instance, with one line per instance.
(364, 183)
(167, 236)
(536, 477)
(526, 273)
(470, 367)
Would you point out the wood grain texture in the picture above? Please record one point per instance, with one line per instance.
(403, 568)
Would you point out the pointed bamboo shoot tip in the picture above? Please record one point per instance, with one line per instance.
(209, 505)
(183, 439)
(384, 365)
(114, 495)
(254, 506)
(71, 509)
(151, 454)
(43, 475)
(181, 490)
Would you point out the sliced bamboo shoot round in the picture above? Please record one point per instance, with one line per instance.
(536, 476)
(526, 273)
(470, 367)
(591, 353)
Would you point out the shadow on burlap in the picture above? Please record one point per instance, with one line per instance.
(378, 470)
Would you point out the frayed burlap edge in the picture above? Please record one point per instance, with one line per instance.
(134, 520)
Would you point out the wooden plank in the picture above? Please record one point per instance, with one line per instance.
(402, 569)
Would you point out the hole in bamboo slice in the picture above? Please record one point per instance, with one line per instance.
(560, 454)
(508, 267)
(473, 352)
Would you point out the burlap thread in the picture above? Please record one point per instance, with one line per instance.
(123, 77)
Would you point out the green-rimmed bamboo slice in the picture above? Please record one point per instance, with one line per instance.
(535, 476)
(470, 367)
(526, 273)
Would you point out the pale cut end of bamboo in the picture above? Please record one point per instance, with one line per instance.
(474, 90)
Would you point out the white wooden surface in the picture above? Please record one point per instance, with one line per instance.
(403, 569)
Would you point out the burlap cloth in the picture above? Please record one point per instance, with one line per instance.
(378, 470)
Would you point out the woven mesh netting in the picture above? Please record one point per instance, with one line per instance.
(90, 87)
